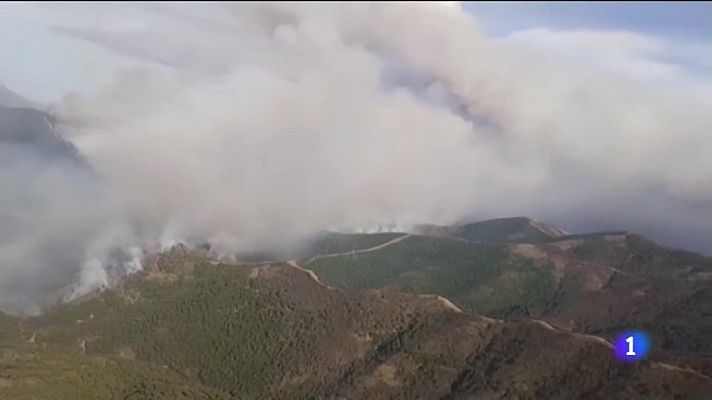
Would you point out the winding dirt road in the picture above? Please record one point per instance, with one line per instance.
(353, 252)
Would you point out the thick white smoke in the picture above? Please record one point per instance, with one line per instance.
(261, 124)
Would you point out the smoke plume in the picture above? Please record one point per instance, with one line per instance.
(253, 126)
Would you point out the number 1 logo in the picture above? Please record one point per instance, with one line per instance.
(631, 351)
(632, 345)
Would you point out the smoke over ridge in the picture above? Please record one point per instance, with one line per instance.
(253, 126)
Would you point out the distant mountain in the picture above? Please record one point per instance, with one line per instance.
(191, 328)
(8, 98)
(32, 131)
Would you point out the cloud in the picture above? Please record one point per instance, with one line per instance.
(261, 124)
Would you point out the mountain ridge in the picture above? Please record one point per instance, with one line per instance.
(498, 230)
(327, 343)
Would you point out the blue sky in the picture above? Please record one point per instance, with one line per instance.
(690, 21)
(43, 65)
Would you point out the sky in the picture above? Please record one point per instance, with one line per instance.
(688, 21)
(252, 126)
(687, 25)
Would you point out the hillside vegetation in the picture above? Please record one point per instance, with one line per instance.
(481, 277)
(591, 283)
(189, 327)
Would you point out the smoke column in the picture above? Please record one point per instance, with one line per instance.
(254, 126)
